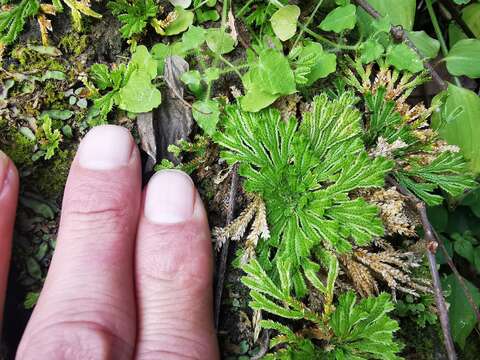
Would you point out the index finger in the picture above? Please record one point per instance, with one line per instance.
(8, 206)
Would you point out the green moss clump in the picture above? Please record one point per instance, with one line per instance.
(53, 99)
(50, 179)
(18, 147)
(31, 60)
(73, 44)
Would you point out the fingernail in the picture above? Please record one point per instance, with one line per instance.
(3, 169)
(170, 197)
(105, 147)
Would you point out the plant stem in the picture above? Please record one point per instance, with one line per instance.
(438, 32)
(432, 244)
(327, 41)
(309, 20)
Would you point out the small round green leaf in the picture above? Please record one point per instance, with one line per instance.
(207, 114)
(284, 21)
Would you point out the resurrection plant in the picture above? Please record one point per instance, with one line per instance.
(321, 183)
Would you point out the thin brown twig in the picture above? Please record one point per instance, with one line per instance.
(400, 35)
(222, 266)
(432, 245)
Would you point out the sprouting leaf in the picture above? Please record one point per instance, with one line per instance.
(207, 114)
(139, 95)
(219, 41)
(404, 58)
(463, 58)
(462, 317)
(13, 20)
(370, 51)
(427, 45)
(340, 19)
(284, 21)
(183, 19)
(463, 130)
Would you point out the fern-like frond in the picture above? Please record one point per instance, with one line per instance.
(448, 172)
(364, 330)
(305, 175)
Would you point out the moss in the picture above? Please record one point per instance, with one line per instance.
(18, 147)
(29, 59)
(53, 96)
(73, 44)
(51, 178)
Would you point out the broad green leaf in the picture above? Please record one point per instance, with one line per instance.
(207, 114)
(208, 15)
(193, 38)
(461, 2)
(144, 62)
(325, 65)
(463, 58)
(139, 95)
(274, 73)
(400, 12)
(340, 19)
(471, 16)
(256, 100)
(462, 317)
(404, 58)
(463, 128)
(428, 46)
(181, 23)
(284, 21)
(219, 41)
(370, 51)
(455, 34)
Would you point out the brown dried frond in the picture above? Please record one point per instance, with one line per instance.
(287, 106)
(385, 149)
(236, 229)
(391, 266)
(45, 27)
(397, 216)
(362, 280)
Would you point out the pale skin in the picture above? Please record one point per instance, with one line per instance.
(131, 276)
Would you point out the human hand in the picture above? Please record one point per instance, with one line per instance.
(131, 277)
